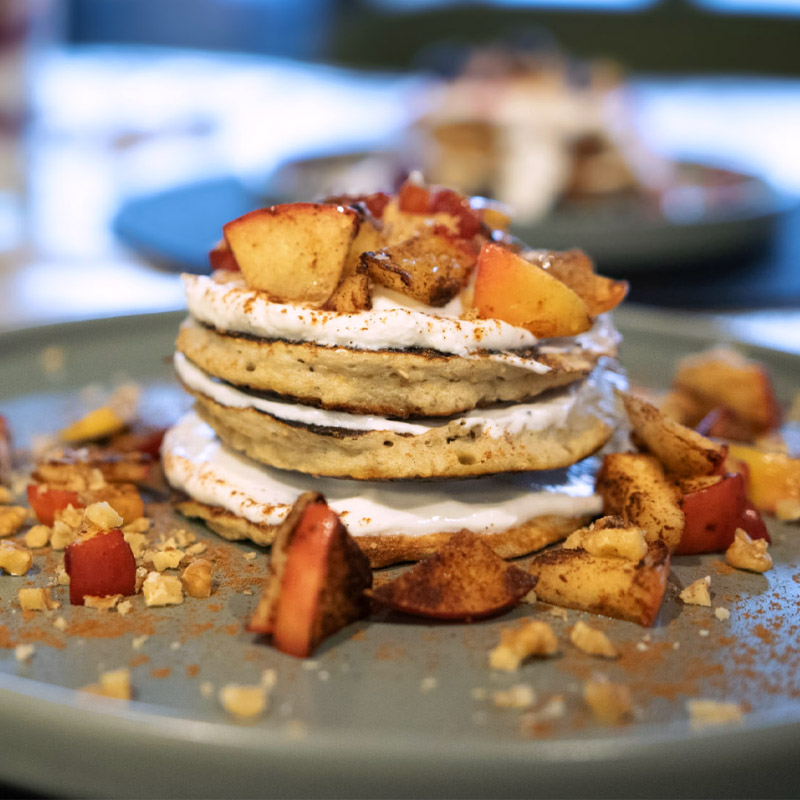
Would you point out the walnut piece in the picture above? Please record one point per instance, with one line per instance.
(749, 554)
(14, 558)
(697, 593)
(531, 638)
(38, 536)
(36, 599)
(711, 712)
(114, 683)
(196, 578)
(162, 590)
(244, 701)
(611, 703)
(592, 641)
(12, 518)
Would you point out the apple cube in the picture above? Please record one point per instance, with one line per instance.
(100, 566)
(616, 587)
(296, 251)
(771, 476)
(465, 580)
(432, 267)
(317, 579)
(712, 509)
(221, 257)
(509, 288)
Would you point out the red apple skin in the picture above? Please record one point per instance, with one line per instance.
(101, 566)
(712, 515)
(303, 579)
(221, 257)
(752, 522)
(5, 451)
(46, 501)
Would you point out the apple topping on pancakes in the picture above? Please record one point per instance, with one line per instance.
(400, 337)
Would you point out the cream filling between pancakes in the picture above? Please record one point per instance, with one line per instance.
(552, 411)
(196, 462)
(393, 323)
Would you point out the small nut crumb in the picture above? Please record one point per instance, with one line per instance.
(428, 684)
(12, 518)
(642, 647)
(748, 554)
(24, 652)
(207, 689)
(138, 641)
(196, 549)
(162, 560)
(136, 541)
(530, 598)
(141, 574)
(101, 517)
(37, 536)
(60, 624)
(521, 695)
(137, 526)
(196, 578)
(697, 593)
(722, 613)
(14, 558)
(243, 701)
(611, 703)
(36, 600)
(114, 683)
(592, 641)
(105, 603)
(554, 708)
(269, 677)
(559, 613)
(703, 632)
(531, 638)
(162, 590)
(703, 713)
(124, 608)
(250, 556)
(62, 576)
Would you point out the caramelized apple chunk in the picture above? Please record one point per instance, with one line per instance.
(464, 580)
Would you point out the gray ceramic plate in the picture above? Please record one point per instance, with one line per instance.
(387, 707)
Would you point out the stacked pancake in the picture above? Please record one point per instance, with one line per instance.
(415, 420)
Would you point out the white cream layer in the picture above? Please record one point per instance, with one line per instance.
(197, 463)
(550, 412)
(395, 322)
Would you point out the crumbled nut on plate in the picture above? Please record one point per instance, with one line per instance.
(592, 641)
(196, 578)
(610, 702)
(124, 607)
(31, 599)
(24, 652)
(164, 559)
(722, 613)
(12, 518)
(37, 536)
(244, 701)
(749, 554)
(14, 558)
(697, 593)
(101, 517)
(59, 623)
(140, 525)
(136, 541)
(162, 590)
(521, 695)
(530, 638)
(114, 683)
(711, 712)
(105, 603)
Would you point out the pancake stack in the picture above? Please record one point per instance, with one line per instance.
(356, 347)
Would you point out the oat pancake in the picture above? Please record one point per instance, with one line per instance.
(395, 382)
(556, 430)
(401, 521)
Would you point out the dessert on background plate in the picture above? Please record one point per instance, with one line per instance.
(405, 357)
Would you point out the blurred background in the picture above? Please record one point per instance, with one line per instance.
(661, 135)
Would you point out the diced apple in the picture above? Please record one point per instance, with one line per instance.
(47, 500)
(712, 511)
(771, 477)
(509, 288)
(100, 566)
(317, 578)
(465, 580)
(295, 251)
(402, 225)
(724, 378)
(221, 257)
(575, 269)
(682, 451)
(616, 587)
(432, 267)
(353, 294)
(634, 487)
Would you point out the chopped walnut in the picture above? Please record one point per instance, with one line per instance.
(162, 590)
(627, 543)
(141, 574)
(12, 518)
(99, 517)
(140, 525)
(196, 578)
(531, 638)
(722, 613)
(244, 701)
(521, 695)
(610, 702)
(710, 712)
(24, 652)
(14, 558)
(114, 683)
(592, 641)
(136, 541)
(105, 603)
(66, 527)
(697, 593)
(38, 536)
(31, 599)
(196, 549)
(124, 608)
(749, 554)
(163, 559)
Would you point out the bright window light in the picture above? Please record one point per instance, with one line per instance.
(600, 5)
(753, 6)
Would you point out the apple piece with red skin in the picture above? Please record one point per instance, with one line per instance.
(317, 579)
(100, 566)
(712, 514)
(509, 288)
(464, 580)
(771, 476)
(221, 257)
(416, 199)
(46, 501)
(375, 202)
